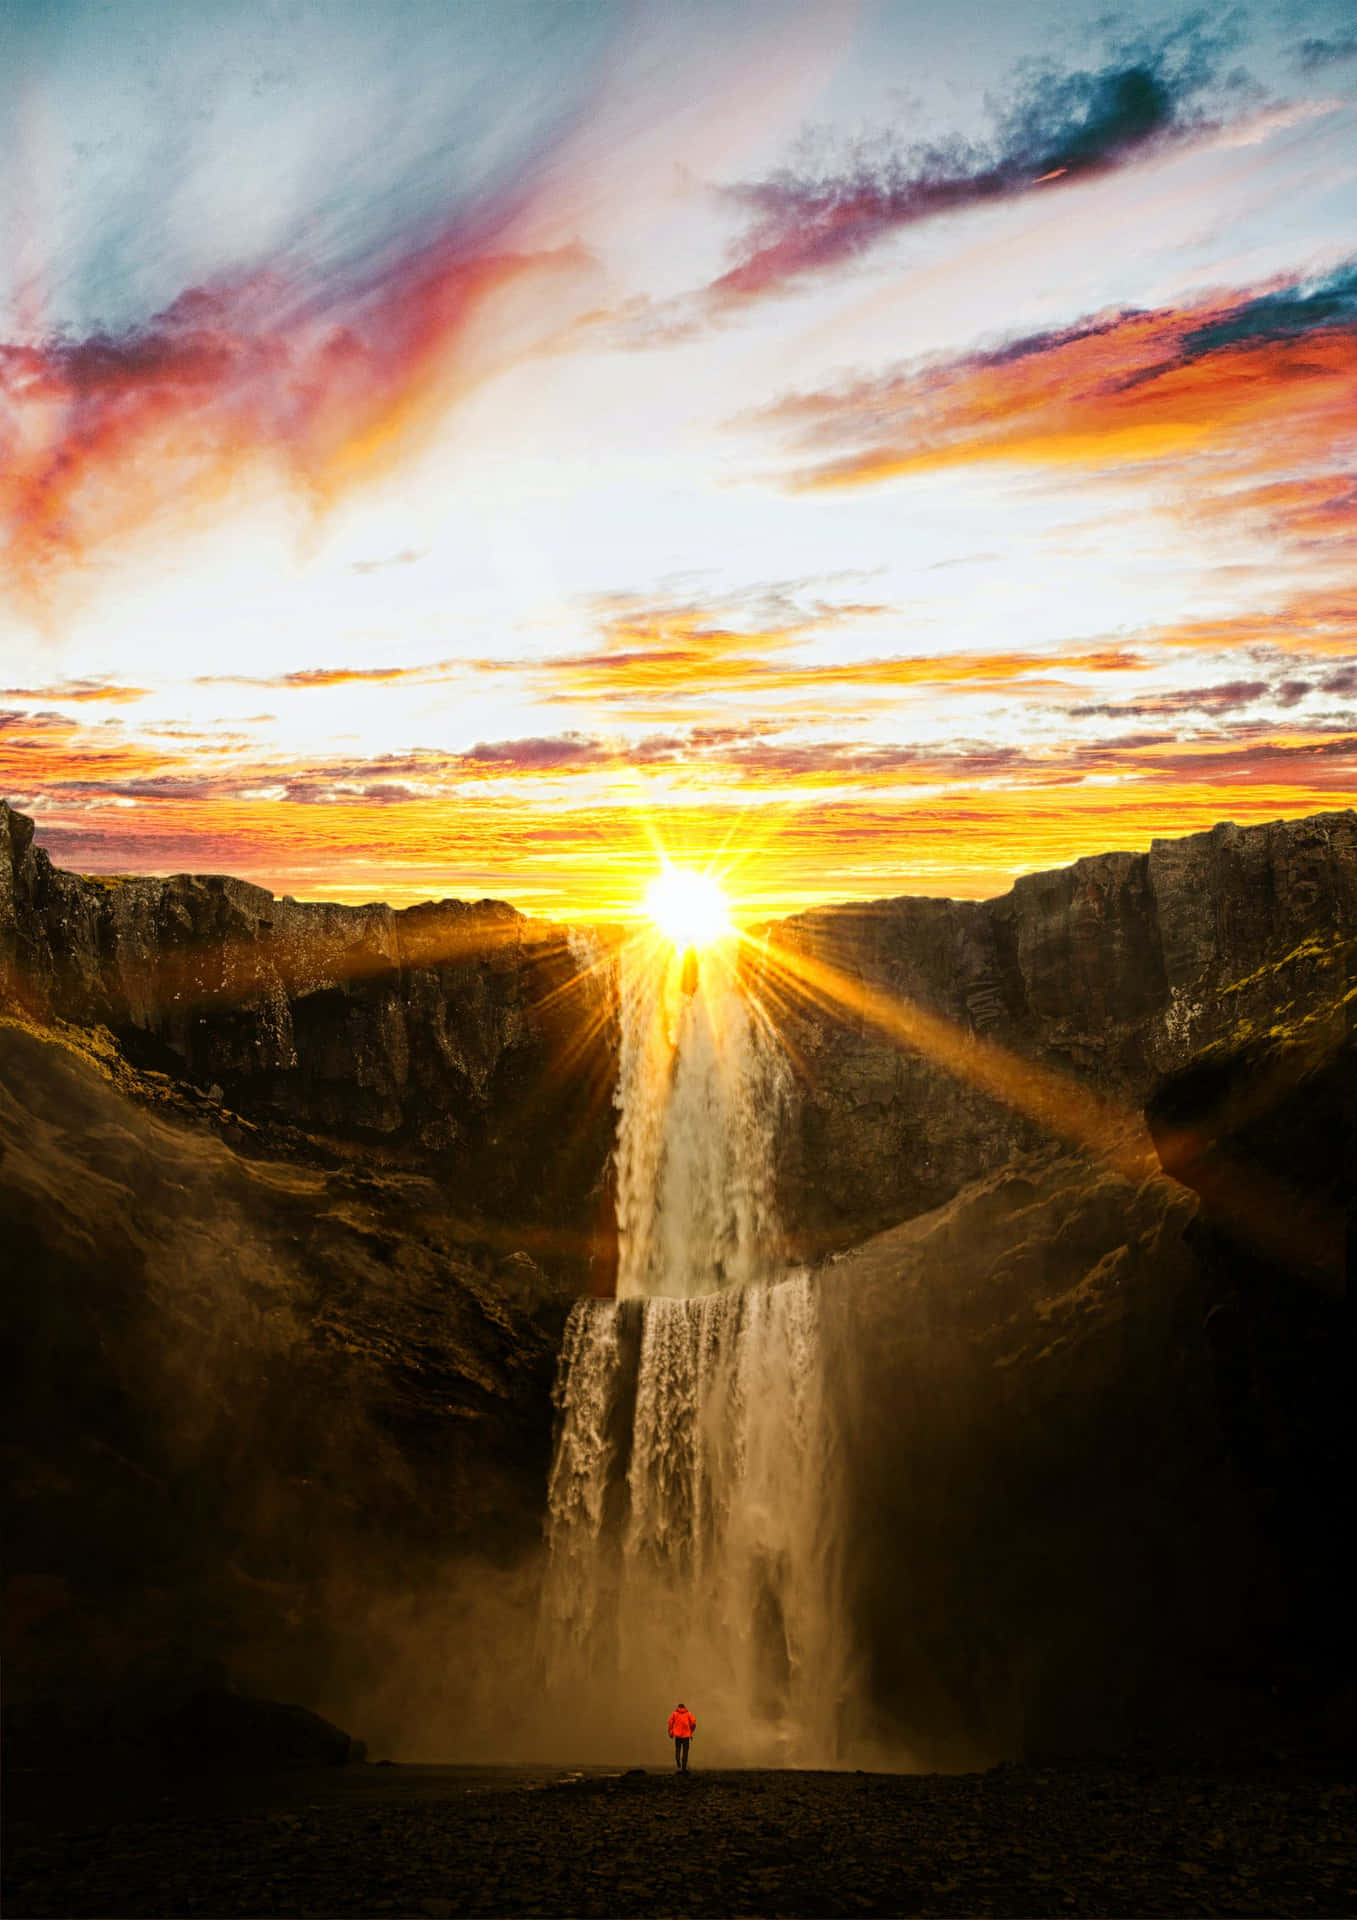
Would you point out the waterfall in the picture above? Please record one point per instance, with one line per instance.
(694, 1501)
(699, 1084)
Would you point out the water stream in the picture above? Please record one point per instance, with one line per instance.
(694, 1501)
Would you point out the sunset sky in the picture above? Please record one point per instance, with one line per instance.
(458, 449)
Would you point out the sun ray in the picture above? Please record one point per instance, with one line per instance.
(1267, 1211)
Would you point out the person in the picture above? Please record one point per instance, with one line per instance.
(682, 1727)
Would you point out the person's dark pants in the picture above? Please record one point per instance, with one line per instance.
(681, 1753)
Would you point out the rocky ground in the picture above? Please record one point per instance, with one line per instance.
(1098, 1839)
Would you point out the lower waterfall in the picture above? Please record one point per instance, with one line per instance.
(694, 1502)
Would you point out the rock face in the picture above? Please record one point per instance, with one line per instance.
(1263, 1128)
(470, 1039)
(1099, 1426)
(293, 1201)
(256, 1413)
(1046, 1545)
(1110, 970)
(462, 1036)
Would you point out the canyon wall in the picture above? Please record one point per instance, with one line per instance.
(263, 1422)
(460, 1037)
(481, 1044)
(1113, 970)
(293, 1201)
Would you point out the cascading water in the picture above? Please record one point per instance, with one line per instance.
(694, 1505)
(698, 1086)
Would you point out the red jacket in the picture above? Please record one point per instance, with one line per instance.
(682, 1724)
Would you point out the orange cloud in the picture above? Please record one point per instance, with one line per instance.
(569, 823)
(334, 676)
(595, 860)
(656, 660)
(80, 691)
(96, 434)
(661, 681)
(1316, 512)
(659, 660)
(1316, 623)
(1276, 370)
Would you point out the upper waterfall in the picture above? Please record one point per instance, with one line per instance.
(700, 1082)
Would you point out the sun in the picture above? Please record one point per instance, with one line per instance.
(689, 907)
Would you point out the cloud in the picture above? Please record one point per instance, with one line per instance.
(407, 557)
(566, 821)
(669, 657)
(1326, 765)
(670, 679)
(540, 755)
(1276, 369)
(388, 793)
(753, 760)
(1315, 623)
(1313, 55)
(1227, 697)
(324, 382)
(1315, 511)
(311, 677)
(1059, 128)
(81, 691)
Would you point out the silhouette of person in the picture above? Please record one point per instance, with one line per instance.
(682, 1727)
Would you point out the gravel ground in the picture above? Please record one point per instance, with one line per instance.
(442, 1841)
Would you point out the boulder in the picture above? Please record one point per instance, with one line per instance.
(220, 1729)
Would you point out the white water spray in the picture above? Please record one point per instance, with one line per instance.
(699, 1083)
(694, 1500)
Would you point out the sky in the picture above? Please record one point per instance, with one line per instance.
(461, 449)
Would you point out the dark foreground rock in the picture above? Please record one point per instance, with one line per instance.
(1263, 1130)
(1045, 1548)
(261, 1421)
(1110, 1839)
(219, 1730)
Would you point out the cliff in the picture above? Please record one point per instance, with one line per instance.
(461, 1038)
(294, 1199)
(1111, 972)
(1262, 1128)
(1046, 1546)
(260, 1417)
(481, 1045)
(1097, 1417)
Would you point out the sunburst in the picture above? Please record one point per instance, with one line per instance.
(689, 907)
